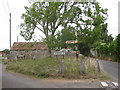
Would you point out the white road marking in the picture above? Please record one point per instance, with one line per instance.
(104, 84)
(116, 84)
(109, 83)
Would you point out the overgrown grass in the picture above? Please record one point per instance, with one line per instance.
(40, 68)
(50, 67)
(5, 61)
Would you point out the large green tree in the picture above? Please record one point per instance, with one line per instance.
(48, 17)
(93, 29)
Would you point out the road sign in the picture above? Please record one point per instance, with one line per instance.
(59, 53)
(94, 52)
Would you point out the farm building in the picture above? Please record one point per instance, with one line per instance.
(4, 52)
(28, 50)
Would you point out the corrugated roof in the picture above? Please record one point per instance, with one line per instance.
(18, 46)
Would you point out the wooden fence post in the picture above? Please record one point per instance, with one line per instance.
(62, 67)
(97, 66)
(82, 66)
(89, 66)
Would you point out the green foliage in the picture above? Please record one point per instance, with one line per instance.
(66, 34)
(84, 49)
(26, 50)
(7, 51)
(95, 31)
(47, 17)
(52, 42)
(118, 47)
(87, 17)
(32, 44)
(23, 45)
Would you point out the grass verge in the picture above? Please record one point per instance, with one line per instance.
(50, 67)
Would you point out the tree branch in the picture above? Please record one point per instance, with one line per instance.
(58, 25)
(38, 28)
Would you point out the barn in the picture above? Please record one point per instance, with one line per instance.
(28, 50)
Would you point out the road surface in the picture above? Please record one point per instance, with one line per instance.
(13, 80)
(111, 68)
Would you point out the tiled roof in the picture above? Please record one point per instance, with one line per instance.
(18, 46)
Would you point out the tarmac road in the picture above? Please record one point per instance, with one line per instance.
(13, 80)
(111, 68)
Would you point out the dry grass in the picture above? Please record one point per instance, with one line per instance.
(50, 67)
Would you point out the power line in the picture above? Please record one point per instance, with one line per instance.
(9, 19)
(5, 9)
(8, 6)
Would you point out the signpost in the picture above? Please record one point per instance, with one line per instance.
(60, 53)
(94, 52)
(82, 67)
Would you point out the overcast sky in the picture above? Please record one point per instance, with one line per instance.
(16, 7)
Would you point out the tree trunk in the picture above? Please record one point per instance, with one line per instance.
(49, 50)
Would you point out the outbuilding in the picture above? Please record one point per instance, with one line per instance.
(28, 50)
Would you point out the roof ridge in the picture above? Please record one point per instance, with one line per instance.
(28, 46)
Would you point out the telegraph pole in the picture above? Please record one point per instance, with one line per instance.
(17, 38)
(10, 30)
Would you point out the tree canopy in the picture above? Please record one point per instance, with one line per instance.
(49, 16)
(60, 20)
